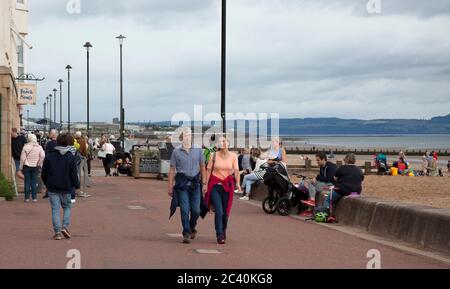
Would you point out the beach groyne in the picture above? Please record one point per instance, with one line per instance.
(361, 151)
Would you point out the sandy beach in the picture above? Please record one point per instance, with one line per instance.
(430, 191)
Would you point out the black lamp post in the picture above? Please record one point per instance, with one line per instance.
(60, 104)
(122, 110)
(50, 110)
(54, 101)
(224, 65)
(45, 114)
(68, 67)
(88, 46)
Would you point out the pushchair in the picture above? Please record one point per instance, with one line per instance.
(283, 194)
(122, 164)
(381, 164)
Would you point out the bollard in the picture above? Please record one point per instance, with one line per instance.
(367, 168)
(308, 165)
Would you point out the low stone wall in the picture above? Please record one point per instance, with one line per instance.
(421, 226)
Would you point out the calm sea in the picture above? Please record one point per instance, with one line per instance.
(371, 141)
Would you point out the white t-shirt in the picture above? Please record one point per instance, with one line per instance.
(108, 148)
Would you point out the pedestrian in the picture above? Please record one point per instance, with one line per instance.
(448, 168)
(59, 174)
(18, 141)
(90, 158)
(222, 173)
(83, 174)
(49, 146)
(106, 152)
(31, 159)
(189, 164)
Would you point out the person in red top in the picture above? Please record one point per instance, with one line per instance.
(222, 173)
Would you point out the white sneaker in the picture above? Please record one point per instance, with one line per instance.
(73, 201)
(236, 191)
(245, 198)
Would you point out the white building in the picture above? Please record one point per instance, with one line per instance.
(13, 46)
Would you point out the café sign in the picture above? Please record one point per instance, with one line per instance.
(27, 93)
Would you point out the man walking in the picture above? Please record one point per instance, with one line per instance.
(59, 174)
(18, 141)
(189, 164)
(49, 146)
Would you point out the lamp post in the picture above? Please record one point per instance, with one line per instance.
(122, 111)
(88, 46)
(224, 65)
(45, 114)
(54, 101)
(60, 104)
(68, 67)
(50, 110)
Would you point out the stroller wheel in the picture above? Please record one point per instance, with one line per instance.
(269, 205)
(284, 206)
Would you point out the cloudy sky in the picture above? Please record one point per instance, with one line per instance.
(299, 58)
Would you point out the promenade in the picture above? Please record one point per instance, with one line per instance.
(125, 225)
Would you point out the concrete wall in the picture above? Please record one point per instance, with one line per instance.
(421, 226)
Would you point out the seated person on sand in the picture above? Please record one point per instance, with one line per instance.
(348, 180)
(321, 183)
(255, 176)
(432, 169)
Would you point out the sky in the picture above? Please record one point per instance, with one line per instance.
(298, 58)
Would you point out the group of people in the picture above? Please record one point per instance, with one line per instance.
(202, 181)
(61, 165)
(430, 165)
(197, 183)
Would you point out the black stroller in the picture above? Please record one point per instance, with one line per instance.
(122, 164)
(283, 195)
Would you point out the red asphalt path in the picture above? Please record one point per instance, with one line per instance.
(109, 234)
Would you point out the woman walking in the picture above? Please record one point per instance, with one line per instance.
(31, 160)
(222, 173)
(107, 150)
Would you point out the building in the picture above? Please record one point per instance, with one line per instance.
(13, 30)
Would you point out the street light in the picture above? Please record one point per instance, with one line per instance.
(60, 104)
(50, 114)
(122, 111)
(224, 65)
(45, 114)
(68, 67)
(54, 109)
(88, 46)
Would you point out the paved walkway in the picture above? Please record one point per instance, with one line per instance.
(125, 225)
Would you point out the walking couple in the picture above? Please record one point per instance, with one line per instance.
(198, 187)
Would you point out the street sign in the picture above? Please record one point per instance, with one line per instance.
(27, 94)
